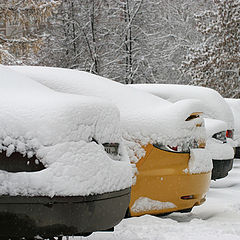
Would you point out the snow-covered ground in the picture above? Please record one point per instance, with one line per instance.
(218, 218)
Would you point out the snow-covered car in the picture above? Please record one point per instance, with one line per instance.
(56, 177)
(221, 151)
(163, 139)
(215, 108)
(235, 106)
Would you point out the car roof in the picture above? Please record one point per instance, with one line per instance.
(214, 104)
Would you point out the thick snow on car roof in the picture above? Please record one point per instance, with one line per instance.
(57, 128)
(144, 117)
(214, 104)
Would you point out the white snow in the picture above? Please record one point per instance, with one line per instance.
(58, 128)
(214, 104)
(143, 204)
(217, 149)
(217, 219)
(199, 159)
(73, 169)
(214, 126)
(144, 117)
(235, 106)
(218, 115)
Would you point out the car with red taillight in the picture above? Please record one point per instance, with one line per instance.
(235, 106)
(215, 108)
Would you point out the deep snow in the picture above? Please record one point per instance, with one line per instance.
(57, 129)
(218, 114)
(217, 219)
(218, 109)
(144, 118)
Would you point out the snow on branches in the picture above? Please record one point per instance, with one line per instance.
(22, 20)
(215, 63)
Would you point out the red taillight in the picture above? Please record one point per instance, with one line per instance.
(229, 134)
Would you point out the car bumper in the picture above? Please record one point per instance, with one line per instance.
(237, 152)
(221, 168)
(172, 189)
(161, 177)
(48, 217)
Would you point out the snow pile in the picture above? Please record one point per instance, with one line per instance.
(200, 159)
(214, 104)
(235, 107)
(144, 204)
(73, 169)
(214, 126)
(145, 118)
(218, 149)
(58, 129)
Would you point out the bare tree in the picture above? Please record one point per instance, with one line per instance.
(102, 37)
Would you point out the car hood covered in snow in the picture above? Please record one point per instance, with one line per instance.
(144, 117)
(57, 129)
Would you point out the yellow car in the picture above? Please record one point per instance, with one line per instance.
(165, 141)
(163, 185)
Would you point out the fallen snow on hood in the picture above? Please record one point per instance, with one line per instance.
(144, 117)
(144, 204)
(58, 128)
(214, 104)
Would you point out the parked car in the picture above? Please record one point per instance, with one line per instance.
(215, 107)
(56, 178)
(221, 151)
(165, 141)
(235, 107)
